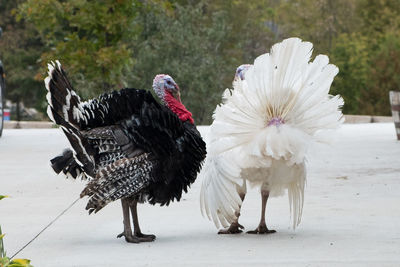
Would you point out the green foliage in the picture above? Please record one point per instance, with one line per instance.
(89, 37)
(384, 75)
(379, 17)
(318, 21)
(2, 251)
(350, 54)
(4, 260)
(20, 50)
(253, 28)
(187, 44)
(108, 44)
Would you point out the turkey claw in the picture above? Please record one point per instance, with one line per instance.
(137, 238)
(261, 229)
(233, 229)
(140, 235)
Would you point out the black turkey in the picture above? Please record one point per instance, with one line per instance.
(129, 146)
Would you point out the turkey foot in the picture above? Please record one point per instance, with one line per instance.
(137, 237)
(233, 229)
(262, 229)
(146, 237)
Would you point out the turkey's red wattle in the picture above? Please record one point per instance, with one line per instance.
(177, 107)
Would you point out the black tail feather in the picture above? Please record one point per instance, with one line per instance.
(61, 97)
(64, 110)
(62, 161)
(67, 164)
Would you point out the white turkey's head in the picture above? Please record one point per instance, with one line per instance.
(163, 84)
(240, 71)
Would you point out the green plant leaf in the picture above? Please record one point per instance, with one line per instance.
(2, 252)
(20, 263)
(1, 197)
(4, 261)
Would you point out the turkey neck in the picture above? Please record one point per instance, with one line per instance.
(177, 107)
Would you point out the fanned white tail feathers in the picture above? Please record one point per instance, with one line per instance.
(296, 198)
(272, 116)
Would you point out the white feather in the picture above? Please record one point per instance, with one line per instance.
(67, 106)
(46, 83)
(50, 114)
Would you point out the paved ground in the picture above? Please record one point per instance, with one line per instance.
(351, 213)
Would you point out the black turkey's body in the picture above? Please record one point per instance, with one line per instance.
(130, 146)
(173, 155)
(167, 174)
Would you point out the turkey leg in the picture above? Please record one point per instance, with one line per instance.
(137, 232)
(127, 233)
(235, 227)
(262, 227)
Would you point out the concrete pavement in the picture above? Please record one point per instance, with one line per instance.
(351, 212)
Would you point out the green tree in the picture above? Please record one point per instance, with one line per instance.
(381, 27)
(20, 50)
(318, 21)
(384, 76)
(379, 17)
(109, 44)
(187, 43)
(89, 37)
(253, 27)
(351, 55)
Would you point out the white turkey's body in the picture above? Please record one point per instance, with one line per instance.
(276, 178)
(264, 127)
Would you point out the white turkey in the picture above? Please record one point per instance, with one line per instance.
(261, 132)
(129, 146)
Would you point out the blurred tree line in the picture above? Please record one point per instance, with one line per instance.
(109, 44)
